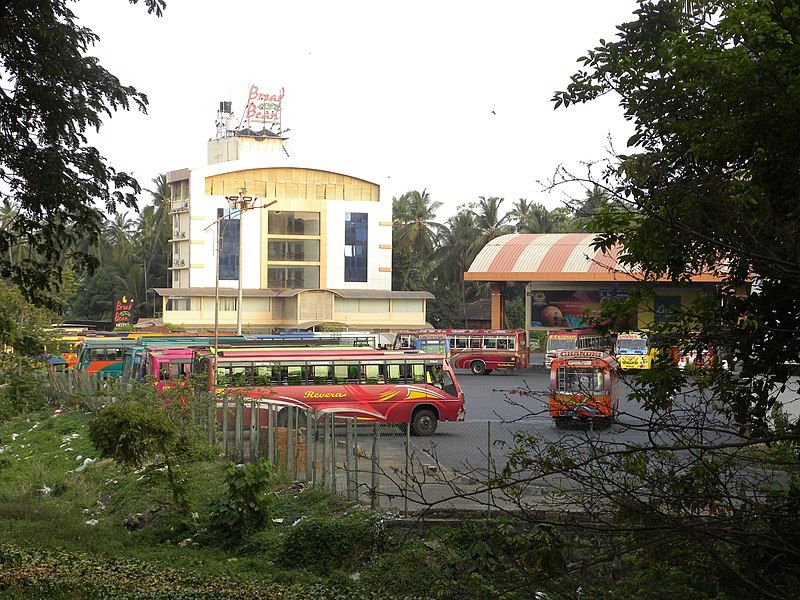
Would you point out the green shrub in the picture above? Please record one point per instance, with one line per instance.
(322, 545)
(244, 508)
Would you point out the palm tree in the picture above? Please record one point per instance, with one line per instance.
(521, 213)
(488, 222)
(455, 255)
(118, 231)
(414, 227)
(586, 211)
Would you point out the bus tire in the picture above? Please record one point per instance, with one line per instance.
(423, 422)
(478, 367)
(301, 419)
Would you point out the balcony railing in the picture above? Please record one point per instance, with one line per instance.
(177, 206)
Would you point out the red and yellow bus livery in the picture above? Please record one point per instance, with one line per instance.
(583, 386)
(369, 385)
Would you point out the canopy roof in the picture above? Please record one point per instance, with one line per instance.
(550, 257)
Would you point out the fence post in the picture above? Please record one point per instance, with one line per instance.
(311, 430)
(376, 436)
(290, 440)
(271, 435)
(355, 460)
(333, 453)
(225, 426)
(348, 449)
(324, 463)
(255, 410)
(211, 420)
(408, 460)
(239, 430)
(488, 468)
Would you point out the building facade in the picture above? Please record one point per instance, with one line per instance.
(316, 246)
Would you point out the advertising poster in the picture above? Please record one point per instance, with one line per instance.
(568, 308)
(122, 311)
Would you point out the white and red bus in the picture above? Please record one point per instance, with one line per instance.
(479, 350)
(367, 384)
(560, 341)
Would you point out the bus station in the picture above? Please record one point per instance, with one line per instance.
(567, 278)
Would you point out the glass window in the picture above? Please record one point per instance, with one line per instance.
(300, 250)
(461, 342)
(393, 373)
(320, 374)
(490, 342)
(475, 342)
(293, 222)
(355, 247)
(303, 278)
(228, 255)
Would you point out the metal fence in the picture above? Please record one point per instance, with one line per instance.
(376, 464)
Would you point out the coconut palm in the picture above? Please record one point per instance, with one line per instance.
(414, 227)
(455, 255)
(521, 213)
(488, 222)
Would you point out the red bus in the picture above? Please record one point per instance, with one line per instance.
(479, 350)
(369, 385)
(583, 386)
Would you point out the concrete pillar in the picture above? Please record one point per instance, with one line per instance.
(498, 312)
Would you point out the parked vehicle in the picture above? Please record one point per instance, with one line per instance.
(370, 385)
(583, 386)
(479, 350)
(634, 351)
(559, 341)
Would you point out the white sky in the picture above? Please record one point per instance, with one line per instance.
(400, 93)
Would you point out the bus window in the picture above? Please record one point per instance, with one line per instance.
(447, 384)
(372, 374)
(490, 343)
(340, 373)
(223, 376)
(433, 375)
(461, 342)
(238, 378)
(393, 373)
(417, 372)
(320, 374)
(263, 376)
(475, 342)
(294, 375)
(502, 343)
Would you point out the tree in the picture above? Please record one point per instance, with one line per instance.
(488, 222)
(414, 226)
(52, 94)
(709, 184)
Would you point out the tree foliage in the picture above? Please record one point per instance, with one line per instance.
(53, 94)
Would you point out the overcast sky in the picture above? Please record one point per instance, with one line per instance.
(444, 95)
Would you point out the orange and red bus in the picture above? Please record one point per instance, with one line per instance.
(583, 386)
(366, 384)
(479, 350)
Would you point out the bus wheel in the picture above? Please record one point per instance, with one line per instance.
(423, 422)
(478, 367)
(300, 418)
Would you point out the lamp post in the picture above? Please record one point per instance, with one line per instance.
(239, 204)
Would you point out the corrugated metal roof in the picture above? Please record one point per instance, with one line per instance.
(551, 257)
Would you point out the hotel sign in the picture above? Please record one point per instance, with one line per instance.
(263, 106)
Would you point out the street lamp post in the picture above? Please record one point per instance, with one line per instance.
(239, 203)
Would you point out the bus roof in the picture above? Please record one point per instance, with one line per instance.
(467, 331)
(567, 356)
(320, 354)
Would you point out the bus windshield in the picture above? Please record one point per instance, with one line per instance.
(632, 346)
(580, 381)
(562, 344)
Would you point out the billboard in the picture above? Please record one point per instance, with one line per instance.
(568, 308)
(122, 311)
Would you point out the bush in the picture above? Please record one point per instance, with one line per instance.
(244, 508)
(323, 545)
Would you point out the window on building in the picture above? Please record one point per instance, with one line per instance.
(355, 247)
(228, 304)
(300, 250)
(303, 278)
(282, 222)
(180, 304)
(407, 306)
(228, 255)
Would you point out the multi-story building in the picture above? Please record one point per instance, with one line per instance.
(316, 246)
